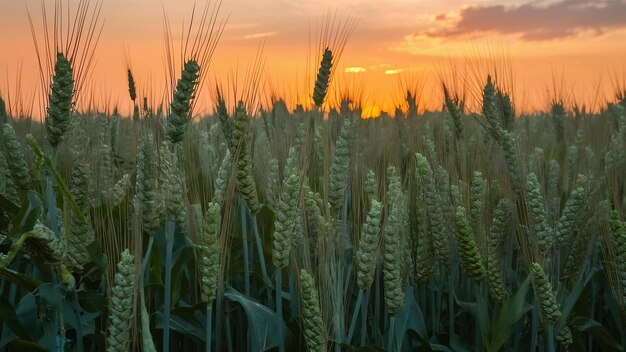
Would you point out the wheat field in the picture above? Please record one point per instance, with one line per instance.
(261, 227)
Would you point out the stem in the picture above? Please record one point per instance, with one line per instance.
(229, 334)
(169, 238)
(377, 296)
(392, 327)
(433, 311)
(550, 337)
(451, 302)
(439, 298)
(246, 256)
(478, 337)
(364, 305)
(534, 329)
(344, 213)
(144, 262)
(209, 316)
(147, 342)
(355, 314)
(218, 319)
(12, 292)
(292, 292)
(78, 328)
(279, 307)
(52, 208)
(259, 246)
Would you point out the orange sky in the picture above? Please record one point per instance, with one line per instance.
(579, 42)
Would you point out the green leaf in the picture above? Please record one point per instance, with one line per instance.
(93, 301)
(262, 322)
(479, 311)
(409, 317)
(77, 318)
(65, 191)
(188, 321)
(438, 347)
(601, 334)
(182, 256)
(574, 296)
(27, 311)
(457, 344)
(23, 281)
(97, 256)
(507, 315)
(8, 206)
(9, 317)
(28, 215)
(26, 346)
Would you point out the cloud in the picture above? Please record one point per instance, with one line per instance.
(394, 71)
(259, 35)
(355, 69)
(532, 21)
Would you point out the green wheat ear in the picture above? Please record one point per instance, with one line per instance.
(225, 123)
(339, 170)
(499, 230)
(285, 221)
(181, 103)
(3, 111)
(392, 254)
(545, 238)
(58, 121)
(120, 190)
(15, 159)
(244, 176)
(314, 332)
(564, 337)
(548, 306)
(618, 241)
(313, 208)
(438, 230)
(490, 110)
(223, 174)
(477, 195)
(323, 78)
(371, 186)
(455, 112)
(471, 260)
(122, 302)
(147, 195)
(569, 222)
(80, 233)
(209, 250)
(367, 253)
(172, 191)
(553, 189)
(7, 185)
(132, 91)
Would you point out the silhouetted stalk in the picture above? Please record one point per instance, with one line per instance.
(259, 247)
(246, 256)
(364, 305)
(392, 327)
(279, 307)
(355, 315)
(169, 239)
(209, 321)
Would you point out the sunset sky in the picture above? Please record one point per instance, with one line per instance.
(580, 44)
